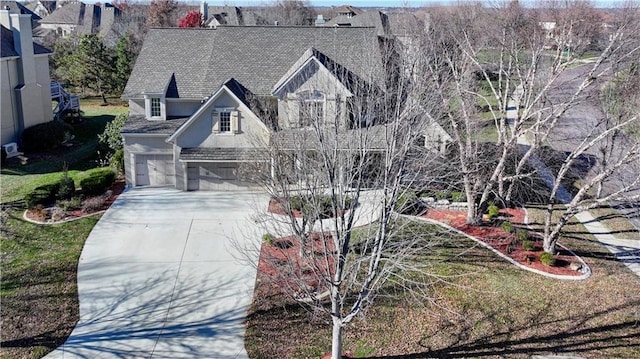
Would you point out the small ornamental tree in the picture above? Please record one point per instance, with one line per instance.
(191, 19)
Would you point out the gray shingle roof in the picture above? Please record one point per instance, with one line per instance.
(370, 18)
(17, 7)
(7, 48)
(220, 154)
(257, 57)
(139, 124)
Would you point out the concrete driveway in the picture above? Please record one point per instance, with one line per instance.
(161, 276)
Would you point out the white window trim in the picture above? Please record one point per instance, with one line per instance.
(147, 107)
(234, 118)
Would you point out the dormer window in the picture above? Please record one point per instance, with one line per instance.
(154, 107)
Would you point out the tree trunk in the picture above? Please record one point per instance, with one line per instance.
(336, 339)
(549, 243)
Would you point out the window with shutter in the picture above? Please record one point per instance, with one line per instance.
(234, 121)
(215, 120)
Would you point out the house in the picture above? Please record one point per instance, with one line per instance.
(73, 17)
(203, 102)
(24, 74)
(42, 8)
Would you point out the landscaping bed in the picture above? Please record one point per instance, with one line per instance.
(87, 206)
(481, 307)
(508, 243)
(280, 266)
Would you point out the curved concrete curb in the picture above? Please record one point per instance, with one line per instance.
(24, 216)
(585, 275)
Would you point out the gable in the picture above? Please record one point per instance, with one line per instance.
(203, 128)
(311, 76)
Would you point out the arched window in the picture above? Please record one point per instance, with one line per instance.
(311, 108)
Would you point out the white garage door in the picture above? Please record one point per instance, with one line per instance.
(214, 176)
(155, 170)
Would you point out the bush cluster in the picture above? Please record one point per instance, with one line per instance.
(97, 182)
(42, 195)
(507, 226)
(268, 238)
(528, 245)
(45, 136)
(547, 259)
(493, 211)
(322, 204)
(67, 187)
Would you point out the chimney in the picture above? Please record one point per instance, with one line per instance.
(4, 18)
(23, 42)
(204, 11)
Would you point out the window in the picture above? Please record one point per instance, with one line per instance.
(155, 107)
(225, 122)
(311, 108)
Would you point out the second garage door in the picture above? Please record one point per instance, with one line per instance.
(214, 176)
(155, 170)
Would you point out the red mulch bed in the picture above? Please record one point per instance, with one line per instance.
(44, 214)
(507, 243)
(275, 207)
(280, 265)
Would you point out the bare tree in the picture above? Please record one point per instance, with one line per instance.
(287, 12)
(348, 167)
(503, 75)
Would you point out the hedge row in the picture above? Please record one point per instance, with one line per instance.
(95, 184)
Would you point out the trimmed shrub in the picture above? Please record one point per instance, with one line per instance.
(493, 211)
(547, 259)
(117, 161)
(268, 238)
(527, 245)
(458, 197)
(522, 234)
(67, 187)
(45, 136)
(442, 195)
(507, 226)
(42, 195)
(97, 182)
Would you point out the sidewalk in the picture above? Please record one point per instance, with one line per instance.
(626, 251)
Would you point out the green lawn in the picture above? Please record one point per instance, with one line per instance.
(18, 179)
(38, 290)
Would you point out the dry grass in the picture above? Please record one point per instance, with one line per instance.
(497, 311)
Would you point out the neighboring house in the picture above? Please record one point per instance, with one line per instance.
(42, 8)
(24, 74)
(15, 7)
(205, 101)
(375, 19)
(73, 17)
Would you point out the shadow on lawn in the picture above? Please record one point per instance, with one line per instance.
(159, 316)
(625, 333)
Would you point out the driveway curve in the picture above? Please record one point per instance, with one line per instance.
(162, 276)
